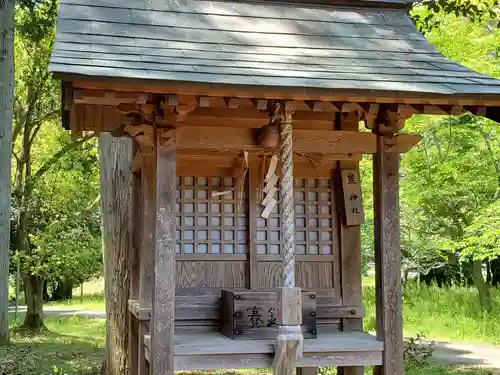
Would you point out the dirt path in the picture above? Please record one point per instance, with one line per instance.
(461, 353)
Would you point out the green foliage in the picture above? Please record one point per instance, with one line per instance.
(418, 350)
(449, 181)
(430, 14)
(482, 238)
(449, 314)
(67, 236)
(55, 180)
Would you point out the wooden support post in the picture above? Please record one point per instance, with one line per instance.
(135, 224)
(388, 258)
(147, 247)
(115, 156)
(162, 319)
(253, 186)
(350, 246)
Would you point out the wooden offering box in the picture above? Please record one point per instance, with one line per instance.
(256, 315)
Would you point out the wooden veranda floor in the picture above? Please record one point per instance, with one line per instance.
(211, 350)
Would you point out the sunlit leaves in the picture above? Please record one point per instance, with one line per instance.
(430, 15)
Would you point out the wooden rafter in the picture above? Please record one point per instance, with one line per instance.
(273, 93)
(106, 97)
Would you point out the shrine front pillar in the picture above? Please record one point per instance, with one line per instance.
(387, 250)
(163, 306)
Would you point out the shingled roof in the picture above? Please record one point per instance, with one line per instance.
(373, 46)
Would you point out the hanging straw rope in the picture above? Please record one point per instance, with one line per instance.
(289, 342)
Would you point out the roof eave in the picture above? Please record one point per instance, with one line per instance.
(279, 92)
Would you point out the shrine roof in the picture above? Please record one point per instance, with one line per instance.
(373, 46)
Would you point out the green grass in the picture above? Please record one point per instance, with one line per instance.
(71, 344)
(93, 302)
(450, 314)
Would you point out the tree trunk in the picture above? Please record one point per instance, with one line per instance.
(63, 290)
(115, 156)
(33, 294)
(45, 293)
(6, 102)
(495, 271)
(483, 289)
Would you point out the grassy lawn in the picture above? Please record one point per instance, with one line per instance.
(71, 345)
(74, 346)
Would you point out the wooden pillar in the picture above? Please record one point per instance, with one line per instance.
(253, 187)
(349, 245)
(115, 156)
(136, 225)
(162, 319)
(388, 257)
(146, 252)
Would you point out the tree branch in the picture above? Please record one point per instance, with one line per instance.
(49, 163)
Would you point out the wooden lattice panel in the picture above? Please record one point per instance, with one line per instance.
(313, 216)
(207, 224)
(313, 221)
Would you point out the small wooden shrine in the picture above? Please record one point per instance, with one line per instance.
(249, 120)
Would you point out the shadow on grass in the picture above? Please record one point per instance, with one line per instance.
(71, 346)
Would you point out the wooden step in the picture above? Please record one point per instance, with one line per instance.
(211, 350)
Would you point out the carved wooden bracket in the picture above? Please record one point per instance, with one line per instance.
(167, 137)
(144, 136)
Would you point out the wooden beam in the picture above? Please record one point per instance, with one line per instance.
(107, 97)
(347, 107)
(163, 309)
(305, 141)
(477, 110)
(246, 117)
(403, 143)
(317, 106)
(388, 259)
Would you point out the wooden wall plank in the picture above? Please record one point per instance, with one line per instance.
(314, 275)
(211, 274)
(163, 309)
(388, 259)
(310, 275)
